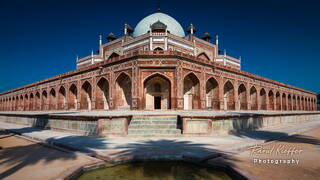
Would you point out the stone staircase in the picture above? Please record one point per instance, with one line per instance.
(153, 126)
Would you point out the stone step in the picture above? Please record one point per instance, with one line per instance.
(155, 135)
(153, 126)
(148, 118)
(153, 122)
(154, 131)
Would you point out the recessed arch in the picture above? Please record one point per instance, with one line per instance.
(271, 100)
(229, 95)
(191, 92)
(158, 49)
(44, 100)
(52, 99)
(289, 102)
(242, 96)
(123, 91)
(298, 103)
(203, 56)
(31, 102)
(263, 99)
(86, 96)
(113, 55)
(37, 101)
(157, 92)
(26, 102)
(294, 103)
(21, 105)
(102, 94)
(73, 97)
(212, 94)
(284, 102)
(62, 100)
(253, 98)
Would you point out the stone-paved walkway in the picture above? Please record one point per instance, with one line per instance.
(123, 148)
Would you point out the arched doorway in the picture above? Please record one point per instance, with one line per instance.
(102, 94)
(212, 94)
(73, 97)
(52, 99)
(228, 91)
(271, 100)
(242, 95)
(263, 99)
(157, 90)
(123, 92)
(86, 96)
(191, 92)
(62, 98)
(284, 101)
(298, 103)
(254, 98)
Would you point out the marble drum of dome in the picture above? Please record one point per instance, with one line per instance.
(173, 26)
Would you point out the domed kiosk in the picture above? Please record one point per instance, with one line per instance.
(173, 26)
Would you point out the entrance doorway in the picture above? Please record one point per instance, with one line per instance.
(157, 102)
(157, 92)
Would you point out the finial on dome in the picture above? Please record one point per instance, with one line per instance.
(158, 6)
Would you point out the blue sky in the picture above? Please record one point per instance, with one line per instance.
(276, 39)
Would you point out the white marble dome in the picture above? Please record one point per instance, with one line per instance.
(172, 25)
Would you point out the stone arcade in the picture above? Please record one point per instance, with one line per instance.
(157, 66)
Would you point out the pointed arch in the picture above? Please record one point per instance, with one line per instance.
(229, 96)
(31, 102)
(113, 55)
(289, 103)
(191, 91)
(73, 97)
(158, 49)
(26, 102)
(263, 99)
(271, 100)
(123, 91)
(284, 102)
(44, 100)
(203, 56)
(52, 99)
(62, 100)
(21, 105)
(38, 101)
(242, 96)
(102, 94)
(294, 103)
(86, 96)
(157, 92)
(212, 94)
(253, 98)
(298, 103)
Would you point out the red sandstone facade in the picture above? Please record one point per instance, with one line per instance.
(157, 70)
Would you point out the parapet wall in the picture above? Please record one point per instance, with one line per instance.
(223, 125)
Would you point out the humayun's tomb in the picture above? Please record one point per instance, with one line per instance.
(157, 65)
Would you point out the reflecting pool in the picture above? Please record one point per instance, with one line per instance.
(156, 170)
